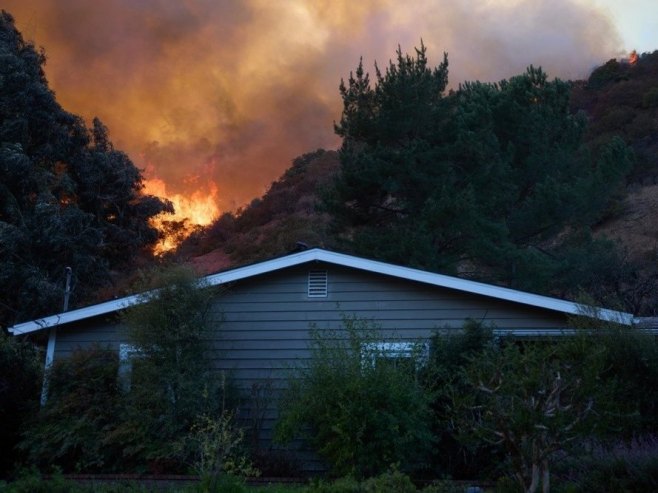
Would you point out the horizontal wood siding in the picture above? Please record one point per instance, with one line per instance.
(266, 320)
(102, 331)
(263, 325)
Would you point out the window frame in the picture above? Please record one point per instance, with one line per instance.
(418, 350)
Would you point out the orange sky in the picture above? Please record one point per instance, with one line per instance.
(204, 93)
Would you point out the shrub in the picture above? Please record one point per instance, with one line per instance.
(360, 410)
(172, 375)
(443, 486)
(391, 481)
(341, 485)
(621, 466)
(31, 482)
(215, 443)
(443, 377)
(632, 362)
(72, 430)
(20, 381)
(536, 400)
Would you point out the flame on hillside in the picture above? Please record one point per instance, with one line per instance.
(633, 57)
(191, 211)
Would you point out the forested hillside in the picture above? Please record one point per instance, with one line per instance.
(529, 183)
(621, 98)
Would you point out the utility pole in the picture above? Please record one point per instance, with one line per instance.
(52, 338)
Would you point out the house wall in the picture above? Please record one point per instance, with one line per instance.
(265, 321)
(264, 325)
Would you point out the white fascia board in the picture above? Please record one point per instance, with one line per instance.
(74, 315)
(475, 287)
(317, 254)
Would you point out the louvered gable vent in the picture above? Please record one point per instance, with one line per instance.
(317, 284)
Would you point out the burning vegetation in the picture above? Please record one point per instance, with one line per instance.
(191, 211)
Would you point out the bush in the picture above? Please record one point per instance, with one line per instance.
(449, 354)
(361, 410)
(624, 466)
(20, 382)
(173, 415)
(216, 445)
(341, 485)
(537, 400)
(632, 362)
(172, 375)
(73, 429)
(392, 481)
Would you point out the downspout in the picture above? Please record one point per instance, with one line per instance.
(52, 339)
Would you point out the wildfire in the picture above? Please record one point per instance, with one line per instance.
(633, 57)
(198, 208)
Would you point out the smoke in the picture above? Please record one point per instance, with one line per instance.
(229, 92)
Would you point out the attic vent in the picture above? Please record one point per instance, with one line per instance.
(317, 284)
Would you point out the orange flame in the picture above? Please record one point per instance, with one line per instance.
(633, 57)
(191, 211)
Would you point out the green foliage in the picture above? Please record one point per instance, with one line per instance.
(341, 485)
(172, 374)
(631, 365)
(32, 482)
(443, 378)
(443, 486)
(612, 71)
(222, 483)
(391, 481)
(388, 482)
(67, 197)
(492, 177)
(166, 413)
(534, 400)
(216, 443)
(631, 360)
(621, 467)
(360, 412)
(620, 100)
(20, 383)
(74, 429)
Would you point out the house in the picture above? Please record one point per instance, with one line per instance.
(264, 314)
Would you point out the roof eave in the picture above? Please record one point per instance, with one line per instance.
(317, 254)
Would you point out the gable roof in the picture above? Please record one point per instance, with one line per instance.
(320, 255)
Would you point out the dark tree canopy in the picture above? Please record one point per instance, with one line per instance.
(491, 178)
(67, 197)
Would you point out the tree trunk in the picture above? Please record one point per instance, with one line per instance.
(546, 477)
(534, 484)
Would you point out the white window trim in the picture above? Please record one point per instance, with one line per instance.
(370, 351)
(127, 352)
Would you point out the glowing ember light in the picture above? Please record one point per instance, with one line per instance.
(198, 208)
(633, 57)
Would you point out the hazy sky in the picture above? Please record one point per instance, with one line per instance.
(205, 93)
(636, 21)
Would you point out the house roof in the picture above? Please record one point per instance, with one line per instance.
(320, 255)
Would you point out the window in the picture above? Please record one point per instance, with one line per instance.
(398, 353)
(127, 352)
(317, 284)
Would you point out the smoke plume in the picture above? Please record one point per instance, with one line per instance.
(227, 92)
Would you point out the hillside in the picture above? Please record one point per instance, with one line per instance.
(619, 98)
(271, 225)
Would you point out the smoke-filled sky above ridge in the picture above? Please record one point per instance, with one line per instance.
(229, 92)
